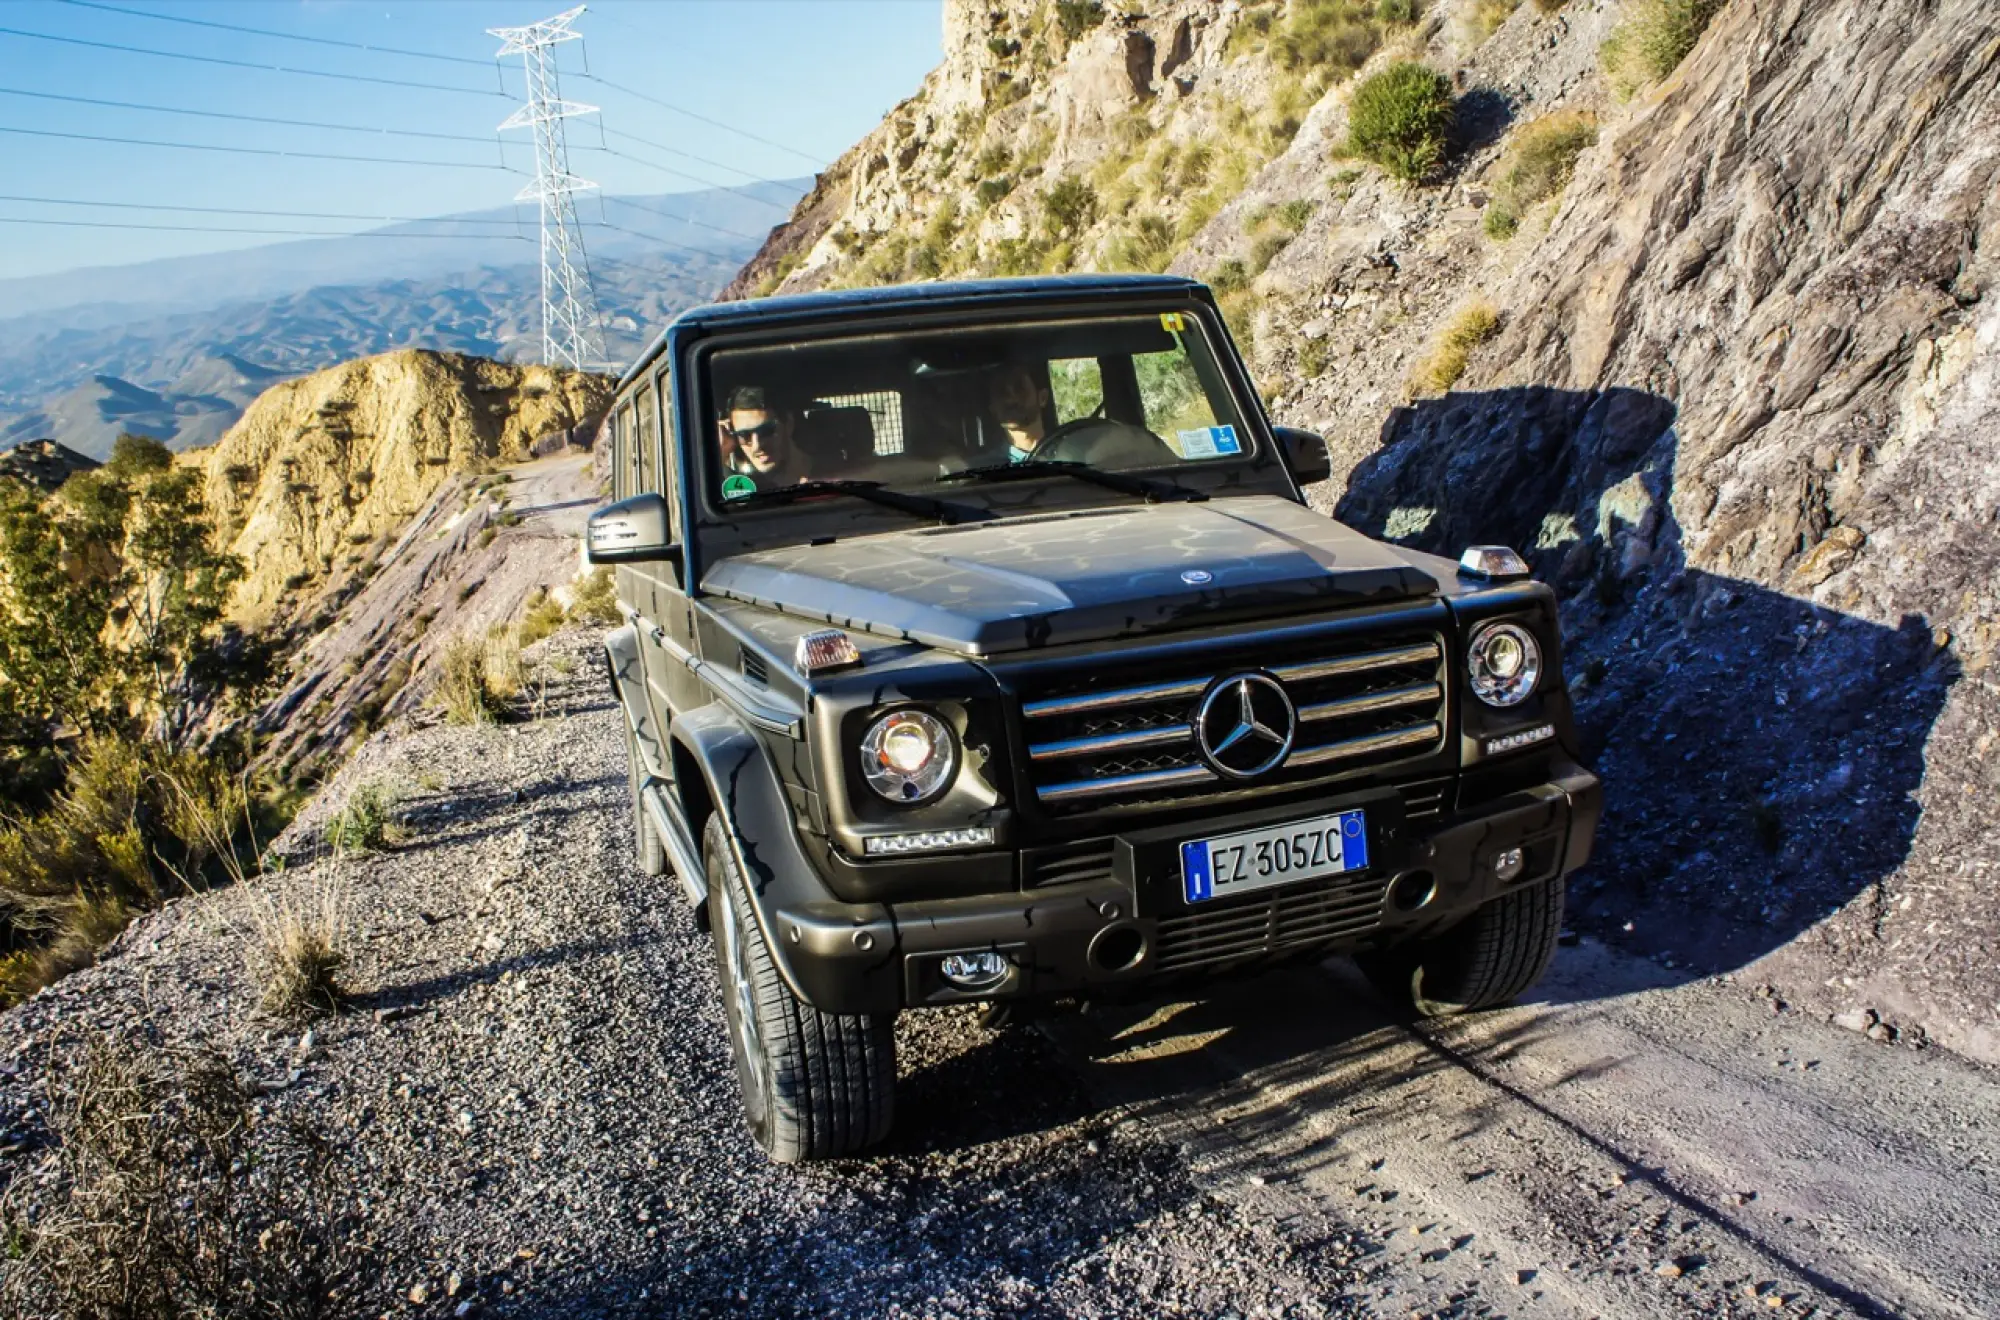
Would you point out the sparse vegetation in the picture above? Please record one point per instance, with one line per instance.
(1485, 17)
(147, 1205)
(1069, 207)
(1313, 358)
(366, 822)
(1076, 17)
(596, 599)
(543, 615)
(1402, 119)
(1538, 164)
(300, 949)
(1470, 327)
(1653, 40)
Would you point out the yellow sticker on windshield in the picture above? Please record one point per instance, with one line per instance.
(1173, 321)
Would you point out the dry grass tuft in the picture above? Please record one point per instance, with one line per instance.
(1472, 326)
(366, 822)
(299, 950)
(154, 1204)
(1538, 163)
(460, 687)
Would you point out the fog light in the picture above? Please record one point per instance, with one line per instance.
(1507, 864)
(973, 971)
(889, 845)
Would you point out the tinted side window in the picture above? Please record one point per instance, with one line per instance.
(648, 444)
(621, 453)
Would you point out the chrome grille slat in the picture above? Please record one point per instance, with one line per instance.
(1134, 742)
(1349, 748)
(1374, 701)
(1110, 742)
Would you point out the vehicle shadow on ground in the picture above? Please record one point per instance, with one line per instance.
(1760, 752)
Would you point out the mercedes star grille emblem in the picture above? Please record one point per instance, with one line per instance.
(1197, 577)
(1245, 726)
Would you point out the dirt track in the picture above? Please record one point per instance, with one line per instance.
(1620, 1146)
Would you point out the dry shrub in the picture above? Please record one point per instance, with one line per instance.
(155, 1204)
(299, 948)
(1538, 164)
(544, 614)
(1653, 40)
(1472, 326)
(461, 687)
(595, 599)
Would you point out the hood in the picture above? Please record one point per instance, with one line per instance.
(1089, 575)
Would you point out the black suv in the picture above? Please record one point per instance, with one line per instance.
(982, 646)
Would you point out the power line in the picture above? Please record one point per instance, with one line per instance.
(247, 119)
(631, 205)
(237, 210)
(256, 151)
(679, 110)
(281, 36)
(676, 151)
(683, 174)
(230, 229)
(246, 64)
(655, 238)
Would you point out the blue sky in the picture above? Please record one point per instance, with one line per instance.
(811, 75)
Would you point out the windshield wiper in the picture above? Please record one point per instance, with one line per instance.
(1154, 490)
(874, 492)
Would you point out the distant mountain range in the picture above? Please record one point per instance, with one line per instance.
(176, 349)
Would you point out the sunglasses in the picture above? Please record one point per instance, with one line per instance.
(760, 433)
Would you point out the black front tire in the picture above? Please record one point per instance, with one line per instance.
(650, 853)
(1485, 961)
(816, 1085)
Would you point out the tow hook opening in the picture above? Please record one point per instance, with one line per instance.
(1413, 890)
(1117, 948)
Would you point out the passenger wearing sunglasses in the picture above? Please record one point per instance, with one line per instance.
(763, 435)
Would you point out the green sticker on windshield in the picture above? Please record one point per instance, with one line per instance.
(735, 486)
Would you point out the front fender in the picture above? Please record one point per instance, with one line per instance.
(799, 916)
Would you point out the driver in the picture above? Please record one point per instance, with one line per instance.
(1019, 402)
(764, 436)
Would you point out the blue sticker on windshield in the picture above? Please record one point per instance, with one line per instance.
(1209, 442)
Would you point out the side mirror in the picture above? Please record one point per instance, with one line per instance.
(630, 531)
(1305, 454)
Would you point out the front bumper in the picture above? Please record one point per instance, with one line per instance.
(1132, 929)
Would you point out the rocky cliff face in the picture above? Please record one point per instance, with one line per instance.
(1733, 389)
(324, 472)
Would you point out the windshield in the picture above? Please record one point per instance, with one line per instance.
(1109, 394)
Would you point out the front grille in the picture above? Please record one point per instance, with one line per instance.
(1117, 738)
(1066, 863)
(1256, 925)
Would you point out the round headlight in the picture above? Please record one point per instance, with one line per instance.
(1505, 663)
(908, 756)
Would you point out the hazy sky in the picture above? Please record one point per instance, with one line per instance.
(811, 75)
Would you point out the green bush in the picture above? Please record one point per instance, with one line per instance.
(1069, 207)
(994, 161)
(1077, 17)
(596, 598)
(1402, 118)
(1312, 358)
(1333, 35)
(991, 192)
(1537, 164)
(366, 821)
(1229, 277)
(1148, 246)
(544, 614)
(1294, 215)
(1653, 40)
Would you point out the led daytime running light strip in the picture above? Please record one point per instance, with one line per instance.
(880, 845)
(1525, 738)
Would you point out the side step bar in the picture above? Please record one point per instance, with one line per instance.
(682, 852)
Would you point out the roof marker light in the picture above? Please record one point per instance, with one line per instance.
(829, 648)
(1494, 563)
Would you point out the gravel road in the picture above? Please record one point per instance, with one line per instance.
(532, 1098)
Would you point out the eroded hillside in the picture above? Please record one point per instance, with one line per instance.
(1715, 345)
(323, 473)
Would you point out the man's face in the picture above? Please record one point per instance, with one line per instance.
(764, 437)
(1016, 398)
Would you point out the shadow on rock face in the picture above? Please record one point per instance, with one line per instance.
(1760, 752)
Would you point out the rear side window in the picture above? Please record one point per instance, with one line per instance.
(648, 443)
(624, 476)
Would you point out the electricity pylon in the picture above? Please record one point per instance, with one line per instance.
(569, 309)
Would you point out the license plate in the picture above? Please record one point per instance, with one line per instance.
(1275, 855)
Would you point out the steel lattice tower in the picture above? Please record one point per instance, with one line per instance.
(569, 310)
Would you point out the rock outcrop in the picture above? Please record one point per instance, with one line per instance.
(43, 464)
(324, 472)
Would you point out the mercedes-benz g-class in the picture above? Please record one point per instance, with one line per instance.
(981, 645)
